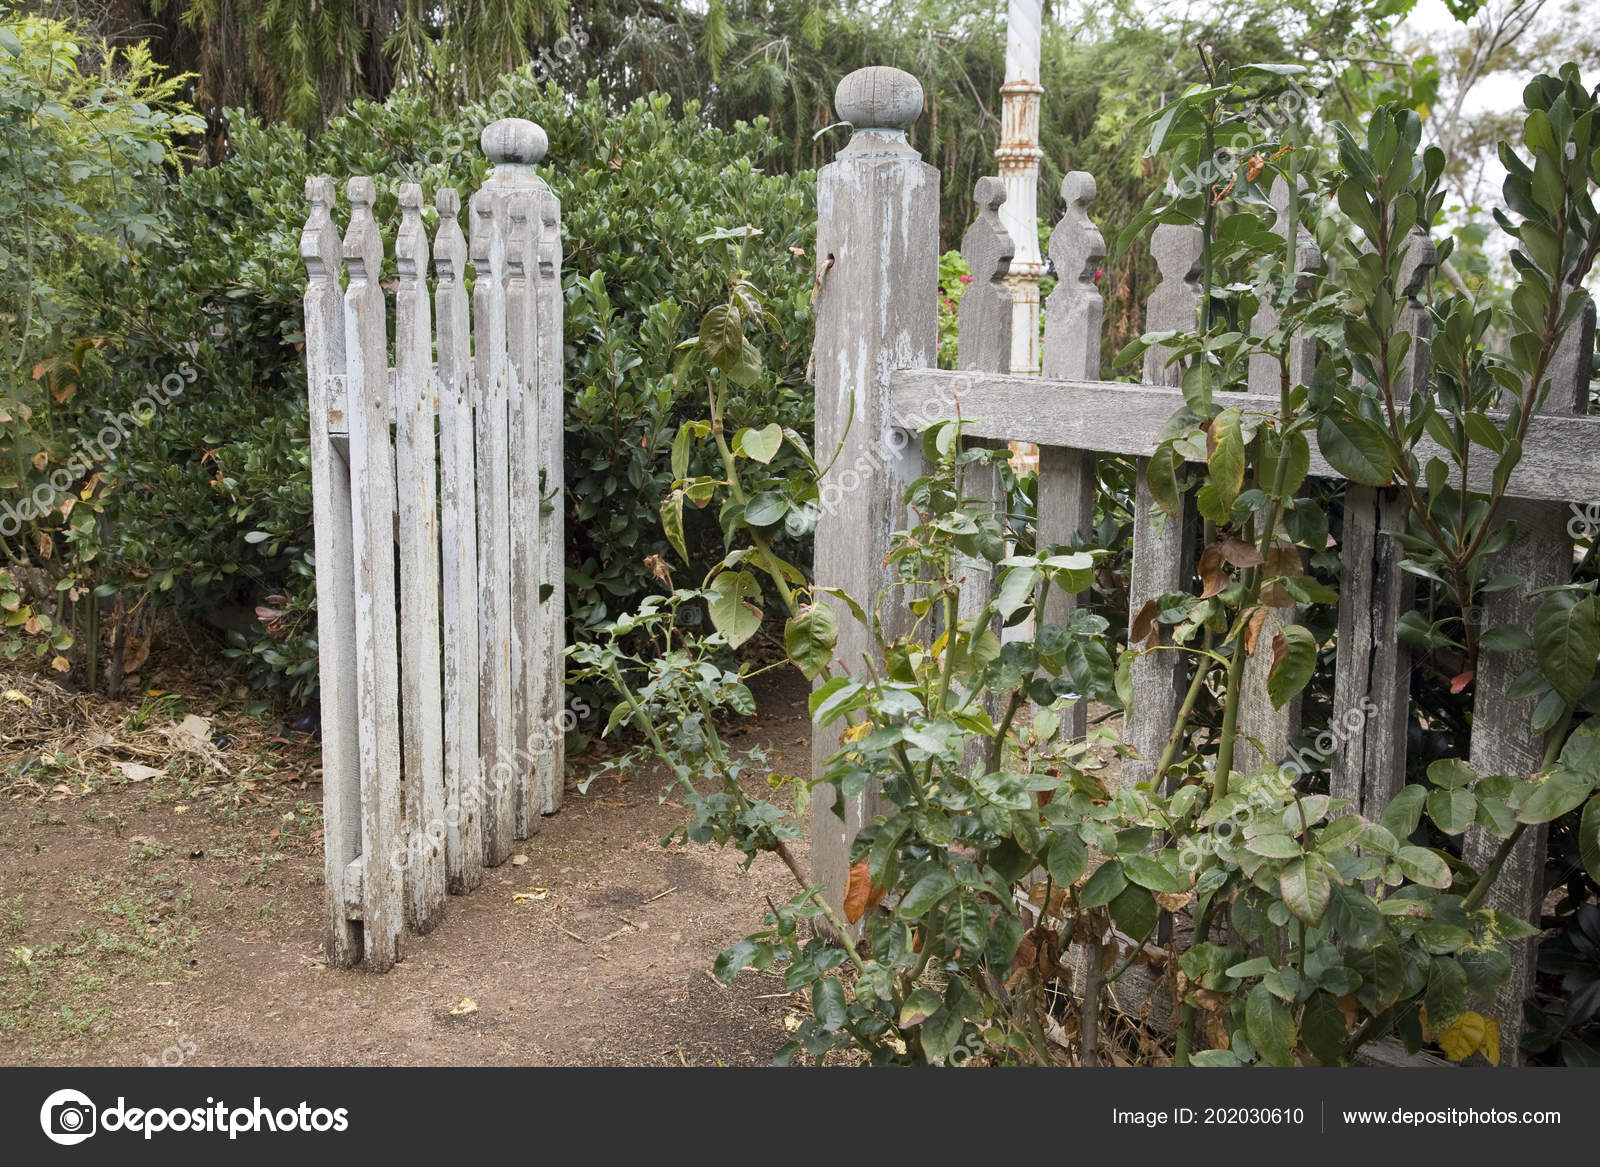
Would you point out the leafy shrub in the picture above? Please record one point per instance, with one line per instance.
(218, 513)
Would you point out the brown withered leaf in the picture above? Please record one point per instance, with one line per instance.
(1145, 627)
(1213, 576)
(1280, 645)
(1283, 559)
(856, 891)
(1252, 630)
(1174, 901)
(1239, 553)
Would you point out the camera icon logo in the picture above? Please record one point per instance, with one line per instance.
(68, 1117)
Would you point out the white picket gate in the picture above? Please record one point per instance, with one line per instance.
(437, 486)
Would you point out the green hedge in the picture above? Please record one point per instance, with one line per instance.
(214, 504)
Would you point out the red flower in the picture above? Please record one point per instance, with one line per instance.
(965, 279)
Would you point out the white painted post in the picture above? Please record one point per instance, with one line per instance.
(876, 311)
(372, 522)
(322, 251)
(1017, 159)
(1071, 352)
(416, 476)
(464, 774)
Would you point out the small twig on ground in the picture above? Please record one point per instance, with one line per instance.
(659, 894)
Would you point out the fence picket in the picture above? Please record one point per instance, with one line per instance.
(323, 253)
(1372, 668)
(464, 775)
(1259, 722)
(1163, 547)
(416, 475)
(1073, 311)
(372, 522)
(496, 739)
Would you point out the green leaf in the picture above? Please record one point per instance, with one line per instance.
(1452, 811)
(1103, 886)
(920, 1006)
(1451, 773)
(1404, 811)
(1566, 641)
(722, 336)
(1016, 589)
(1294, 668)
(939, 1034)
(827, 1002)
(1226, 461)
(765, 508)
(1269, 1023)
(1148, 871)
(761, 444)
(731, 960)
(1322, 1028)
(1305, 888)
(1355, 448)
(1134, 911)
(734, 606)
(1216, 1059)
(1423, 866)
(1446, 997)
(1273, 846)
(925, 893)
(1553, 796)
(1589, 837)
(810, 637)
(672, 523)
(1066, 858)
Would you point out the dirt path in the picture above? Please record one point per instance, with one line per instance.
(177, 918)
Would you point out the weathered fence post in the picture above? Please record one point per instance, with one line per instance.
(876, 311)
(550, 693)
(1072, 317)
(416, 477)
(464, 773)
(1372, 670)
(1258, 720)
(323, 253)
(1163, 552)
(383, 843)
(1502, 742)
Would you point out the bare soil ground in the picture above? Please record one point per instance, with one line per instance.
(161, 898)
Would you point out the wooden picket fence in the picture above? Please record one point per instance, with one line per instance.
(877, 342)
(436, 482)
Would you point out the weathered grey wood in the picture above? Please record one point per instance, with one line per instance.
(463, 774)
(496, 727)
(1372, 668)
(416, 475)
(1072, 318)
(523, 499)
(1501, 740)
(983, 344)
(1163, 548)
(322, 251)
(876, 310)
(1265, 732)
(550, 758)
(383, 844)
(1120, 418)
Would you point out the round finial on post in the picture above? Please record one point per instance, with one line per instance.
(514, 141)
(879, 97)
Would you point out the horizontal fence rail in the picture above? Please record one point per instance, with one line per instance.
(439, 566)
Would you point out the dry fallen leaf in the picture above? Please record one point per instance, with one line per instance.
(466, 1005)
(524, 897)
(193, 733)
(18, 695)
(134, 772)
(518, 860)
